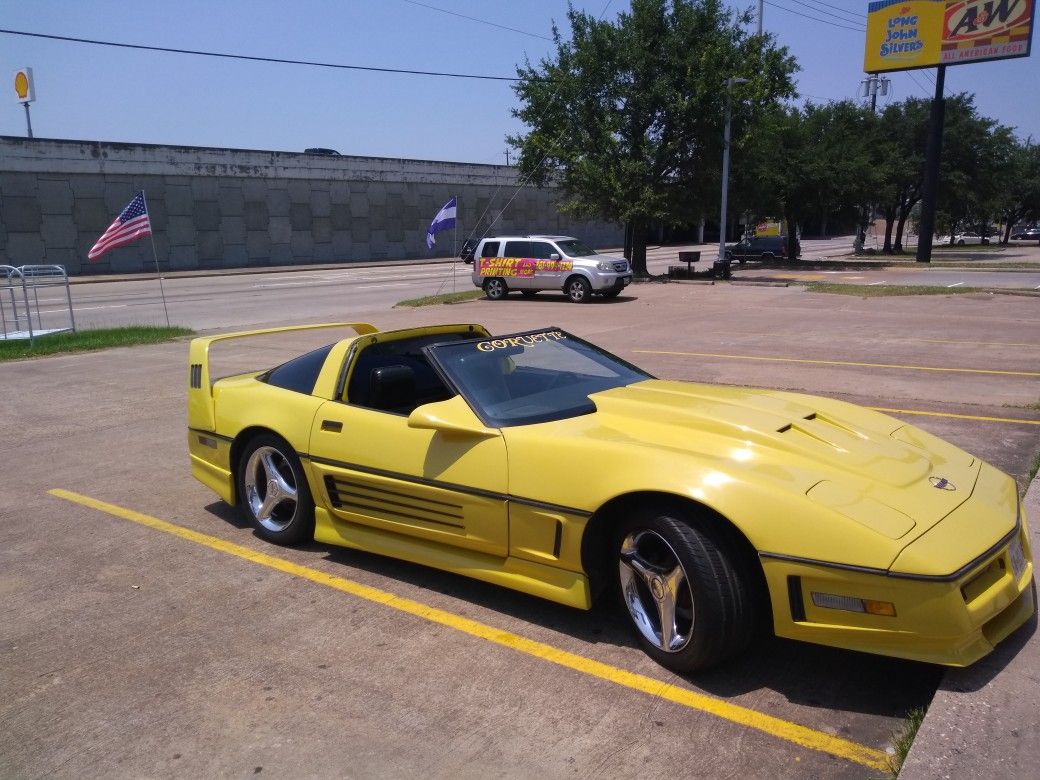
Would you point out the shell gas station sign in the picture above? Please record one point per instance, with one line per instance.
(24, 89)
(907, 34)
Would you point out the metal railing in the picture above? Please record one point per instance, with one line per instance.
(20, 314)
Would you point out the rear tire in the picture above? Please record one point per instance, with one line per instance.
(495, 288)
(273, 495)
(685, 588)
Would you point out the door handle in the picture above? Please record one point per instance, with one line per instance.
(332, 426)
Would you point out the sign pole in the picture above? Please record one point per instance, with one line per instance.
(933, 151)
(28, 122)
(155, 256)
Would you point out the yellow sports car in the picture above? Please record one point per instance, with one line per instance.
(540, 462)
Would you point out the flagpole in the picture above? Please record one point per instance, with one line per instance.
(455, 242)
(155, 256)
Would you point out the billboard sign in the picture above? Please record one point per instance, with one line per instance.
(907, 34)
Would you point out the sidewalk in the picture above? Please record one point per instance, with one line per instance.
(985, 720)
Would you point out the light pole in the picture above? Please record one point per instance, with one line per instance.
(725, 170)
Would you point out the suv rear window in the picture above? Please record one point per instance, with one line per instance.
(490, 249)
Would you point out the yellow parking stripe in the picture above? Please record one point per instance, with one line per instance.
(839, 363)
(792, 732)
(1018, 420)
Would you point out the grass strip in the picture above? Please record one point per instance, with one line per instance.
(885, 290)
(434, 300)
(89, 341)
(905, 738)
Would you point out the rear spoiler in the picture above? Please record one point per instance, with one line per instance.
(200, 390)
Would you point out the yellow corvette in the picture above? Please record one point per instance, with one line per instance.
(539, 462)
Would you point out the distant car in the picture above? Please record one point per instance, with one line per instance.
(970, 237)
(539, 462)
(1026, 234)
(322, 150)
(533, 263)
(469, 247)
(761, 248)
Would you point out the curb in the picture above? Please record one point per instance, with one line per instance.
(984, 721)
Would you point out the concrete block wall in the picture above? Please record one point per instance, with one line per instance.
(230, 208)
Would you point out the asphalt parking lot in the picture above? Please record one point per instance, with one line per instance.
(144, 631)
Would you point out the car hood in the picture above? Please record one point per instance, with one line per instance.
(599, 256)
(863, 464)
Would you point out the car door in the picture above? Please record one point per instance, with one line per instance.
(522, 274)
(376, 471)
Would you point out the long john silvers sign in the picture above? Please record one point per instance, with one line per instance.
(907, 34)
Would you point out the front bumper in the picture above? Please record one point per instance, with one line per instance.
(603, 281)
(953, 623)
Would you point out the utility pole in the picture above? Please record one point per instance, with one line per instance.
(725, 167)
(507, 157)
(871, 86)
(760, 9)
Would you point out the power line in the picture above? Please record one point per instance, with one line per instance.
(251, 58)
(920, 86)
(856, 17)
(814, 18)
(475, 19)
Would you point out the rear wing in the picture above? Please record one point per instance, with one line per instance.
(200, 388)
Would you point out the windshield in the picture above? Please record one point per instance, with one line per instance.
(575, 248)
(531, 377)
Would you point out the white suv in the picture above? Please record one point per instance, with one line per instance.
(531, 263)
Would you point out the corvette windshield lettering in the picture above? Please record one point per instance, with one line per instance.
(526, 340)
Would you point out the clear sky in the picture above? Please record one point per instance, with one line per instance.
(100, 93)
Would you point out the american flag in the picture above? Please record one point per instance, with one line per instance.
(130, 225)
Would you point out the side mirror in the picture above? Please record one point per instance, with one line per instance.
(554, 255)
(451, 418)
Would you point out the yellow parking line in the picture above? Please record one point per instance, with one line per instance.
(839, 363)
(791, 732)
(958, 416)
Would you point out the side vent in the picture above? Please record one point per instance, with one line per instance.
(195, 375)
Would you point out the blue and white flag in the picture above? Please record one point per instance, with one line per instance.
(444, 220)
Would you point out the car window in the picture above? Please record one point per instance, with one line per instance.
(490, 249)
(517, 249)
(396, 376)
(540, 250)
(574, 248)
(299, 374)
(531, 377)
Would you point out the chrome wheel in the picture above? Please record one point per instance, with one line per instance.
(578, 290)
(271, 492)
(495, 289)
(656, 590)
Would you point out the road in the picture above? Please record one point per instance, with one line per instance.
(240, 300)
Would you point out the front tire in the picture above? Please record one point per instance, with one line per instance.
(685, 590)
(578, 290)
(496, 288)
(272, 491)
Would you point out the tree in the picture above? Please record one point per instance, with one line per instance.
(1020, 198)
(808, 162)
(902, 133)
(625, 118)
